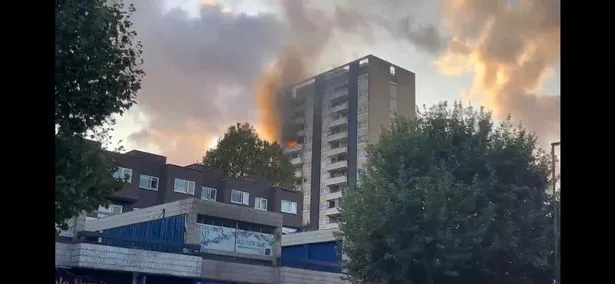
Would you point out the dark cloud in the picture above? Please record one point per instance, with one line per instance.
(200, 74)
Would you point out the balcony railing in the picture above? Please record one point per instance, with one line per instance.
(338, 165)
(336, 180)
(333, 195)
(339, 94)
(298, 147)
(338, 107)
(296, 161)
(332, 211)
(337, 136)
(339, 121)
(298, 120)
(336, 151)
(328, 226)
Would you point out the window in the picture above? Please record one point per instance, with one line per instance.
(363, 82)
(124, 174)
(393, 98)
(306, 194)
(184, 186)
(362, 109)
(208, 193)
(363, 94)
(260, 203)
(324, 191)
(148, 182)
(110, 210)
(240, 197)
(289, 207)
(324, 205)
(392, 70)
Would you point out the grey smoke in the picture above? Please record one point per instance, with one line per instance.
(201, 72)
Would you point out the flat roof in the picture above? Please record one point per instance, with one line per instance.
(341, 67)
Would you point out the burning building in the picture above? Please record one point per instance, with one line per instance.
(327, 121)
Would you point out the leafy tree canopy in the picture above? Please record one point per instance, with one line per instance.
(97, 74)
(240, 152)
(450, 198)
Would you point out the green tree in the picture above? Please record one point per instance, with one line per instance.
(240, 152)
(97, 74)
(450, 198)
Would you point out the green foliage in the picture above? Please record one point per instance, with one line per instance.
(450, 198)
(97, 74)
(242, 153)
(83, 177)
(98, 65)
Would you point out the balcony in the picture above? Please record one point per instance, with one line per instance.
(336, 180)
(333, 211)
(336, 151)
(338, 107)
(298, 120)
(297, 148)
(339, 94)
(339, 121)
(328, 226)
(337, 165)
(333, 195)
(337, 136)
(296, 161)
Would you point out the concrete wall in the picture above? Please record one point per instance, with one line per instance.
(192, 207)
(319, 236)
(290, 275)
(63, 254)
(97, 256)
(143, 215)
(124, 259)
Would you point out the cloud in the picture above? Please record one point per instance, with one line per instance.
(510, 49)
(200, 74)
(207, 72)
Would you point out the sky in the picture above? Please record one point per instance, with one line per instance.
(205, 59)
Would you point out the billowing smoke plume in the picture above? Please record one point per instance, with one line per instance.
(207, 72)
(510, 48)
(311, 30)
(201, 73)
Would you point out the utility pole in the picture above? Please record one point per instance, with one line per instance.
(555, 229)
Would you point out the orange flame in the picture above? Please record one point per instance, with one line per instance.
(269, 128)
(292, 144)
(287, 69)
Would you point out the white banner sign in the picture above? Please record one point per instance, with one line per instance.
(254, 243)
(215, 237)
